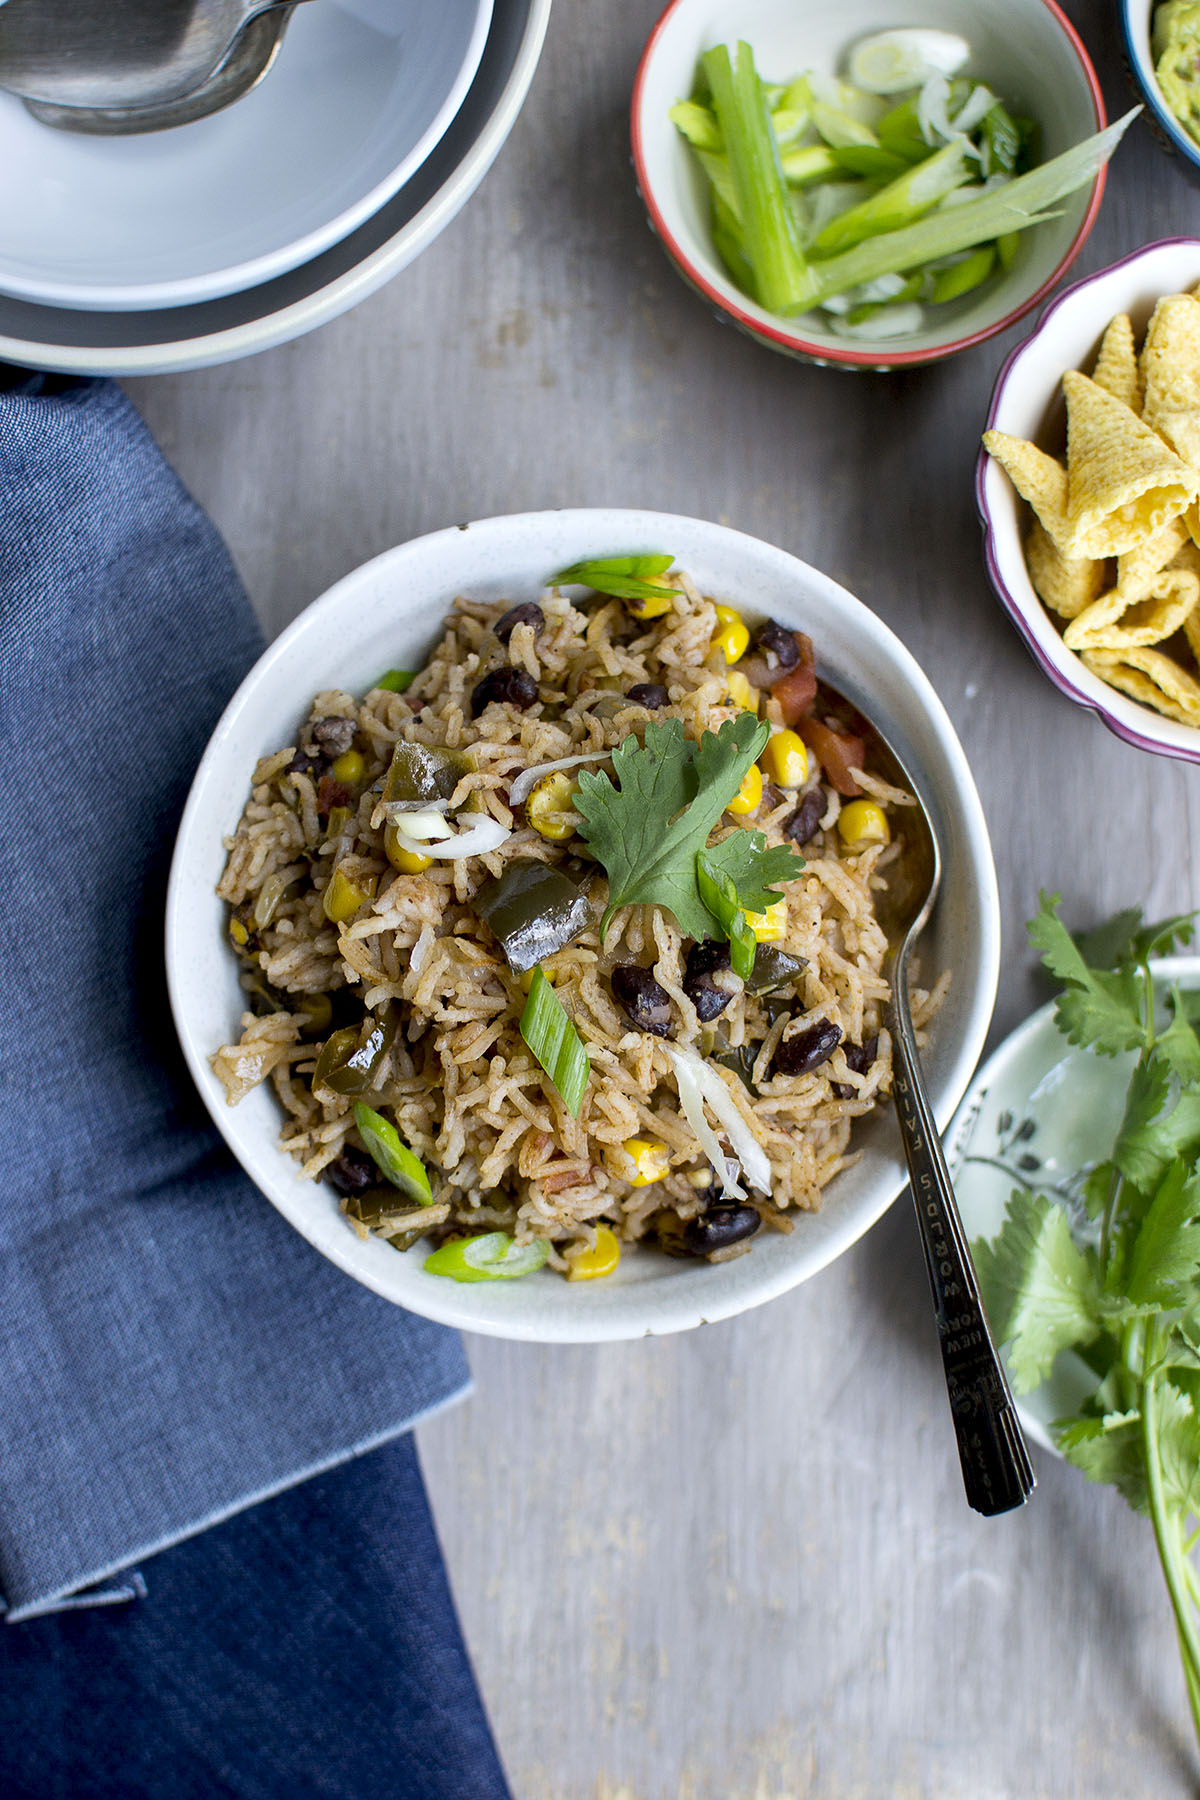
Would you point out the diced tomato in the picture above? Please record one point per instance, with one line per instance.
(797, 690)
(838, 753)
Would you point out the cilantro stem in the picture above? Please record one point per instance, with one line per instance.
(1166, 1528)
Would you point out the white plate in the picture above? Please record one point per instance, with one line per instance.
(361, 92)
(1039, 1098)
(388, 614)
(216, 331)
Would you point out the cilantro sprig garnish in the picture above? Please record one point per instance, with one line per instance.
(648, 826)
(1118, 1280)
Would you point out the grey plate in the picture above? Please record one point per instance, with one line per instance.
(236, 325)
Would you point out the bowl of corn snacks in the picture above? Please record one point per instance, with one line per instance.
(1088, 488)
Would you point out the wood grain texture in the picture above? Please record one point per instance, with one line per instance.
(737, 1565)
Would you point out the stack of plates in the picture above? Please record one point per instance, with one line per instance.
(177, 249)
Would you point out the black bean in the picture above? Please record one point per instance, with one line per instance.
(645, 1003)
(650, 694)
(778, 647)
(334, 736)
(353, 1172)
(528, 613)
(707, 996)
(808, 1049)
(719, 1227)
(511, 687)
(807, 817)
(307, 762)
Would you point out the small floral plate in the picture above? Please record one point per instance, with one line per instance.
(1040, 1113)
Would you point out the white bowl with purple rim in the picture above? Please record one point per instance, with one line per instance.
(389, 613)
(1026, 401)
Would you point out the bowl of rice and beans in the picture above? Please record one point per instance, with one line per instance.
(539, 982)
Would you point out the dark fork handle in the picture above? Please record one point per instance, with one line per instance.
(997, 1473)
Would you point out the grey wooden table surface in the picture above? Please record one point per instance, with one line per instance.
(737, 1564)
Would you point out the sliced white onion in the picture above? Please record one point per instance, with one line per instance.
(933, 109)
(691, 1098)
(698, 1083)
(425, 825)
(976, 107)
(481, 837)
(528, 779)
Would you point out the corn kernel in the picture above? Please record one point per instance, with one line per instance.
(349, 767)
(525, 979)
(861, 823)
(238, 931)
(732, 636)
(786, 759)
(740, 691)
(601, 1258)
(343, 897)
(748, 796)
(548, 807)
(651, 1161)
(768, 927)
(408, 862)
(650, 606)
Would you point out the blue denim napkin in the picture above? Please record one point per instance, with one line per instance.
(170, 1349)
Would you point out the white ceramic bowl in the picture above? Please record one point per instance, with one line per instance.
(241, 324)
(388, 614)
(361, 92)
(1136, 20)
(1025, 50)
(1066, 1104)
(1026, 401)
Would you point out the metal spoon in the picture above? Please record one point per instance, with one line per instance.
(996, 1469)
(248, 61)
(126, 53)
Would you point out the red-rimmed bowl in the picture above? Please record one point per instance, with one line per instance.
(1026, 401)
(1026, 51)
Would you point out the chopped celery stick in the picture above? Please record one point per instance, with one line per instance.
(698, 125)
(898, 204)
(839, 129)
(961, 277)
(813, 162)
(865, 159)
(1007, 245)
(781, 279)
(720, 178)
(729, 244)
(1014, 207)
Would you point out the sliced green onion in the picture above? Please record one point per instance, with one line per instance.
(491, 1256)
(812, 162)
(697, 124)
(900, 203)
(720, 896)
(625, 577)
(1014, 207)
(392, 1157)
(397, 681)
(780, 273)
(555, 1042)
(961, 277)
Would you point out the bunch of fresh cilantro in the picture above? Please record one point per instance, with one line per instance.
(1120, 1283)
(648, 827)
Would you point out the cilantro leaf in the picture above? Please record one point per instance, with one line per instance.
(1109, 1450)
(1098, 1009)
(1136, 1152)
(1108, 944)
(1040, 1291)
(744, 857)
(625, 577)
(671, 792)
(1178, 1440)
(1179, 1043)
(1161, 939)
(1165, 1258)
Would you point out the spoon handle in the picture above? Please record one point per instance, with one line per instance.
(996, 1469)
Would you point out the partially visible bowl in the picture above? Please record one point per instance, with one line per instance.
(389, 613)
(1026, 402)
(1026, 51)
(215, 331)
(362, 92)
(1136, 21)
